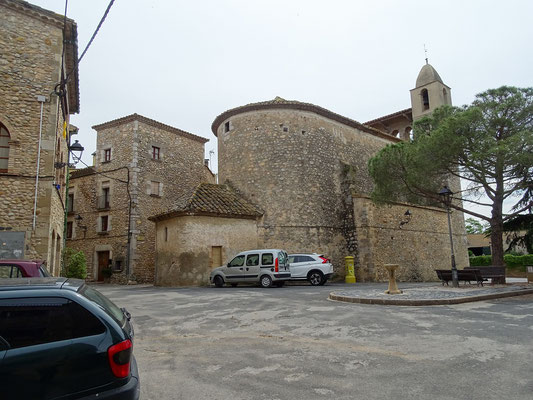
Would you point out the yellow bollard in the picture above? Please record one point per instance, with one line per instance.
(350, 275)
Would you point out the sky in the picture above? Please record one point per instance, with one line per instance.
(185, 62)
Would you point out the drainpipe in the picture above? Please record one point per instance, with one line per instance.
(40, 99)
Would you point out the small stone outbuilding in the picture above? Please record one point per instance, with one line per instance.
(201, 232)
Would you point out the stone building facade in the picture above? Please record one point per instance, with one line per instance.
(38, 48)
(141, 167)
(307, 169)
(201, 231)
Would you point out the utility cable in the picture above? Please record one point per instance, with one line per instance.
(77, 62)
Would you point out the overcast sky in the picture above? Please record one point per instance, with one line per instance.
(185, 62)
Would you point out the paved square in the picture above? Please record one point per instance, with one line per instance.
(293, 343)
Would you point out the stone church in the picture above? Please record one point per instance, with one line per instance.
(295, 176)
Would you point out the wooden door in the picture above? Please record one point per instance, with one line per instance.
(103, 262)
(216, 256)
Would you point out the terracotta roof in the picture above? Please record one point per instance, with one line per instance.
(151, 122)
(408, 111)
(211, 199)
(278, 102)
(71, 43)
(78, 173)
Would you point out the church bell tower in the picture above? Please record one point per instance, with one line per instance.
(430, 92)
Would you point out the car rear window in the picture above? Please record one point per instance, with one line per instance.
(33, 321)
(103, 302)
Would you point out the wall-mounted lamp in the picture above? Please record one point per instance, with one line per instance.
(406, 218)
(78, 218)
(76, 150)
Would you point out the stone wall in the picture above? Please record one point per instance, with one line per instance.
(419, 246)
(185, 246)
(177, 171)
(293, 164)
(30, 66)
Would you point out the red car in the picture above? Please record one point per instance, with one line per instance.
(23, 269)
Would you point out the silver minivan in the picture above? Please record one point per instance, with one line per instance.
(266, 267)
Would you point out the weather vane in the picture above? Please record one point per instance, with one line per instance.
(426, 53)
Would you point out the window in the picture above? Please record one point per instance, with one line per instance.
(155, 153)
(10, 271)
(226, 127)
(104, 199)
(166, 234)
(104, 223)
(69, 229)
(155, 188)
(267, 259)
(4, 148)
(70, 203)
(425, 99)
(107, 155)
(252, 260)
(33, 321)
(237, 261)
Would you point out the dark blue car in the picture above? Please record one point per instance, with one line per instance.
(61, 339)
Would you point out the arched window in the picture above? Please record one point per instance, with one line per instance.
(444, 94)
(425, 99)
(408, 133)
(395, 133)
(4, 147)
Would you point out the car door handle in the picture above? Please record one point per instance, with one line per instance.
(241, 269)
(247, 269)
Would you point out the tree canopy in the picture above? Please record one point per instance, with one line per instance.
(488, 144)
(474, 226)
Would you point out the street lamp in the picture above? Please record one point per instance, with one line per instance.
(76, 150)
(446, 197)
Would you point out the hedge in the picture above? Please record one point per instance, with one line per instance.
(512, 262)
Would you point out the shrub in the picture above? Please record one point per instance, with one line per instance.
(76, 265)
(511, 261)
(480, 261)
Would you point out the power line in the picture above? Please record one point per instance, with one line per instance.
(76, 62)
(97, 29)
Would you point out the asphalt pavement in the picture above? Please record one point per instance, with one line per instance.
(294, 343)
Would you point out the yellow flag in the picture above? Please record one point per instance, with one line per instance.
(64, 129)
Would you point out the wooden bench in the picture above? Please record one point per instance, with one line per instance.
(445, 275)
(496, 274)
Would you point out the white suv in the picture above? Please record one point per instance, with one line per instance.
(311, 266)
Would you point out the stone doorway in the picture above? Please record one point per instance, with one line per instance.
(103, 262)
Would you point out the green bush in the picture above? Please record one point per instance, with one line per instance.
(76, 265)
(511, 261)
(480, 261)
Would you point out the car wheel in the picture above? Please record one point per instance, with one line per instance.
(279, 283)
(234, 284)
(218, 281)
(266, 281)
(315, 278)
